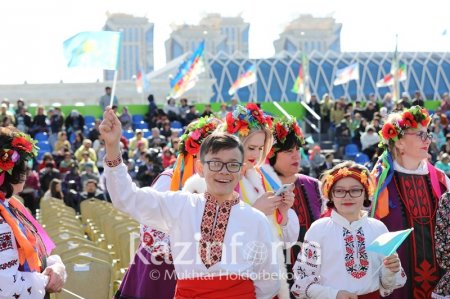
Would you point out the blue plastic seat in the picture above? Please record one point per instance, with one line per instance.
(146, 133)
(128, 134)
(136, 118)
(44, 146)
(140, 125)
(89, 119)
(351, 150)
(362, 158)
(175, 124)
(41, 136)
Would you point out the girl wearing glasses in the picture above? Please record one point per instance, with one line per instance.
(407, 193)
(253, 128)
(333, 262)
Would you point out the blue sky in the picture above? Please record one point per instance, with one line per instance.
(32, 32)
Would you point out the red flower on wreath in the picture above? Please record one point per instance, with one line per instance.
(408, 120)
(191, 146)
(389, 131)
(281, 132)
(6, 162)
(234, 125)
(23, 144)
(256, 112)
(297, 129)
(427, 118)
(269, 121)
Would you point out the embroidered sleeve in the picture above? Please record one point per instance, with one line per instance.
(442, 243)
(291, 230)
(14, 283)
(307, 270)
(391, 281)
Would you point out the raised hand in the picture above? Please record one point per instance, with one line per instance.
(111, 131)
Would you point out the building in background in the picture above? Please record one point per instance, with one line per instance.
(307, 33)
(137, 45)
(227, 35)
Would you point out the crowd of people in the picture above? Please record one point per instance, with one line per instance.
(213, 186)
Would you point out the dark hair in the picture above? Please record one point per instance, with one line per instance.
(52, 188)
(19, 171)
(220, 141)
(91, 181)
(290, 142)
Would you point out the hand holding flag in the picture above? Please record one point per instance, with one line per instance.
(387, 243)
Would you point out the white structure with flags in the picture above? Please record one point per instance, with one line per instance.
(347, 74)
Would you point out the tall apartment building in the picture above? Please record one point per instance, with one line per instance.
(137, 45)
(307, 33)
(227, 35)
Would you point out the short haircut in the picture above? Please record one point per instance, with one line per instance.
(91, 181)
(220, 141)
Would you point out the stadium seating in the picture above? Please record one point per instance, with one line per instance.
(350, 151)
(41, 136)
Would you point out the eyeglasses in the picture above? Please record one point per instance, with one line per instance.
(423, 135)
(341, 193)
(217, 166)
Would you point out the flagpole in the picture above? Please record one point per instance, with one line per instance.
(113, 91)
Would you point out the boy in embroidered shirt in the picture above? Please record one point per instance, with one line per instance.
(222, 248)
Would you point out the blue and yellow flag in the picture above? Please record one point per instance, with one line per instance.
(99, 49)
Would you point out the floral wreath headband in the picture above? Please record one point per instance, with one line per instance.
(409, 119)
(281, 130)
(361, 176)
(22, 148)
(191, 140)
(243, 119)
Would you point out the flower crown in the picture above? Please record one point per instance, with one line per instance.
(281, 130)
(192, 138)
(22, 148)
(409, 119)
(361, 175)
(243, 119)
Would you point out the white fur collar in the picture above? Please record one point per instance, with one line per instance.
(253, 185)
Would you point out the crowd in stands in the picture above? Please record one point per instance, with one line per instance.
(70, 160)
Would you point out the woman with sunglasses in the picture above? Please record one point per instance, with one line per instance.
(253, 127)
(407, 195)
(333, 262)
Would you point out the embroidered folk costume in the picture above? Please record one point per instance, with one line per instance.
(288, 138)
(238, 261)
(243, 122)
(24, 245)
(406, 198)
(334, 258)
(442, 245)
(154, 256)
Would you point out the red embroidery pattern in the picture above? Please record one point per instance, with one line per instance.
(5, 241)
(354, 269)
(212, 235)
(8, 264)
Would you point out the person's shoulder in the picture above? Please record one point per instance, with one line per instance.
(248, 210)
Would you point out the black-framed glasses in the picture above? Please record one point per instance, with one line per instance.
(217, 166)
(341, 193)
(423, 135)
